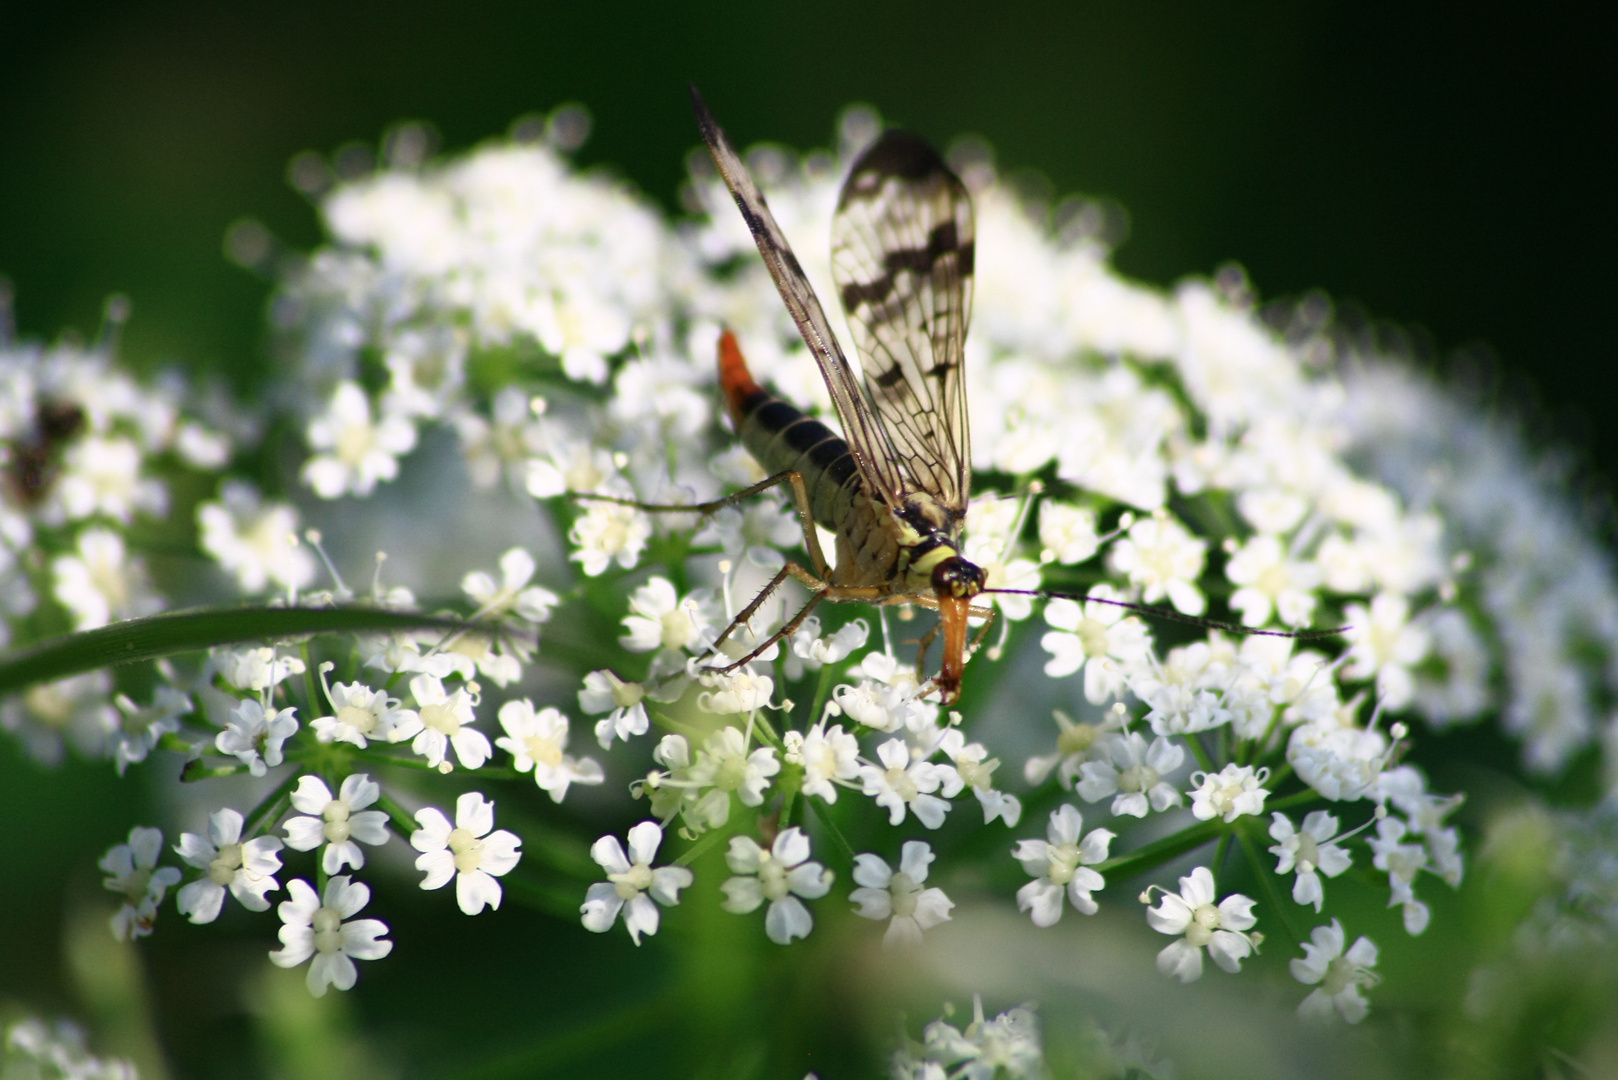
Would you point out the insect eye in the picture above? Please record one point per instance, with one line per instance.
(957, 577)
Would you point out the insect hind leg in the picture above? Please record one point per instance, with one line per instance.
(800, 500)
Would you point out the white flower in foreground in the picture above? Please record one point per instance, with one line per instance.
(899, 895)
(323, 930)
(608, 531)
(1067, 534)
(341, 823)
(632, 884)
(256, 669)
(724, 764)
(468, 851)
(739, 691)
(352, 452)
(826, 755)
(661, 619)
(814, 651)
(1135, 773)
(779, 875)
(536, 741)
(255, 733)
(443, 721)
(1339, 975)
(899, 783)
(1060, 864)
(605, 692)
(1102, 639)
(1228, 794)
(513, 594)
(247, 870)
(254, 540)
(136, 876)
(1076, 743)
(1220, 927)
(359, 714)
(976, 769)
(1310, 852)
(1164, 559)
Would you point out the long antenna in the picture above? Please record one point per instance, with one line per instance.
(1174, 616)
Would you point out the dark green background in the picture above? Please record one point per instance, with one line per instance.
(1441, 164)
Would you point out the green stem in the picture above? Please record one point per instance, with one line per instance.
(1161, 851)
(1267, 883)
(271, 805)
(838, 840)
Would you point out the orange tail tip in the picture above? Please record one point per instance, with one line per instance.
(734, 378)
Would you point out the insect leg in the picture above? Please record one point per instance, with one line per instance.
(791, 477)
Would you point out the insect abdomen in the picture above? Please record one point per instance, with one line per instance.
(780, 437)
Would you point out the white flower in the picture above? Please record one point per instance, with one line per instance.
(1385, 644)
(976, 769)
(136, 876)
(341, 823)
(513, 594)
(442, 722)
(725, 764)
(254, 734)
(1100, 638)
(1403, 862)
(775, 875)
(1135, 773)
(605, 692)
(632, 884)
(814, 650)
(1338, 761)
(1067, 533)
(140, 728)
(254, 540)
(1339, 975)
(351, 452)
(256, 669)
(327, 930)
(101, 475)
(608, 531)
(1222, 927)
(247, 870)
(1076, 743)
(1310, 852)
(1228, 794)
(468, 851)
(359, 714)
(739, 691)
(1060, 865)
(1164, 559)
(1270, 581)
(898, 783)
(536, 741)
(100, 583)
(660, 619)
(1007, 1046)
(899, 895)
(826, 755)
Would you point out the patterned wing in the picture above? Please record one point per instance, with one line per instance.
(867, 439)
(902, 248)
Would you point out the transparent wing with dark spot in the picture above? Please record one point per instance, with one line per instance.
(902, 251)
(867, 439)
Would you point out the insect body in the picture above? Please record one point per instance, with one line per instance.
(894, 488)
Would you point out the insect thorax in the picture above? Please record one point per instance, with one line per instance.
(929, 550)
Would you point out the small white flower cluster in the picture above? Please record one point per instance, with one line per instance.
(57, 1052)
(1008, 1046)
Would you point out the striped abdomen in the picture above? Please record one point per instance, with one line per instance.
(780, 437)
